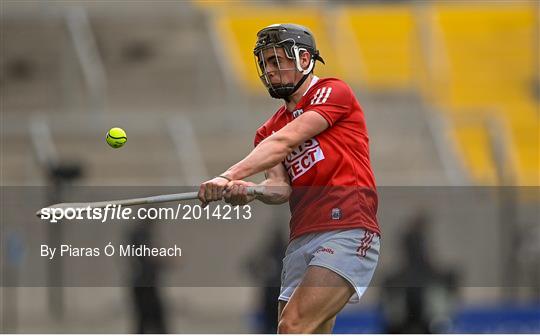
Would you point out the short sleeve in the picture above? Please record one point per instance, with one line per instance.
(332, 101)
(260, 135)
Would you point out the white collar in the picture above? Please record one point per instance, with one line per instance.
(313, 81)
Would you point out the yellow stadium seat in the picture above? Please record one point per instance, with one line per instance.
(523, 123)
(483, 66)
(378, 46)
(473, 141)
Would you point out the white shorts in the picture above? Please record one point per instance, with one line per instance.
(352, 253)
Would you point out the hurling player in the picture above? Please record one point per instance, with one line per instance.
(314, 151)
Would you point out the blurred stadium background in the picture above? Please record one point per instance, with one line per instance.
(450, 90)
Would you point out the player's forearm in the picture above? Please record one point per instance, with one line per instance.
(266, 155)
(275, 192)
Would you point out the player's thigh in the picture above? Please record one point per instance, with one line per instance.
(320, 296)
(326, 327)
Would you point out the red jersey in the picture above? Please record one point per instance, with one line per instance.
(331, 175)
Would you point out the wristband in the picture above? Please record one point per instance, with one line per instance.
(225, 177)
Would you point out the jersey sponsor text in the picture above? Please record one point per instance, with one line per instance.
(303, 158)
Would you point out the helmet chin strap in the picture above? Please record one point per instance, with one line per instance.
(297, 86)
(287, 90)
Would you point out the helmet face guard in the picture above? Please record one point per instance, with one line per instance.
(294, 40)
(281, 89)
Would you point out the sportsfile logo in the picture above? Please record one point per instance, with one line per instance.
(303, 158)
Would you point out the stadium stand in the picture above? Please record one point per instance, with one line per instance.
(479, 59)
(487, 72)
(385, 40)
